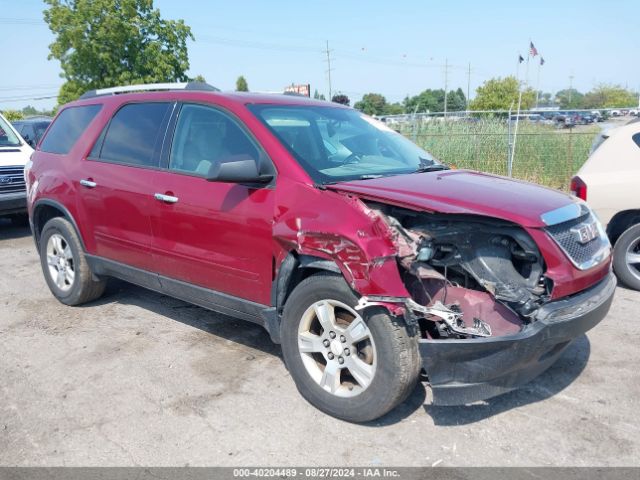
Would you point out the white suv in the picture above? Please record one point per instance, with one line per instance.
(14, 155)
(610, 182)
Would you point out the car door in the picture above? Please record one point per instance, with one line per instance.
(117, 182)
(211, 234)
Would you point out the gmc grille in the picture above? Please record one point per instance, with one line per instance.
(12, 180)
(582, 255)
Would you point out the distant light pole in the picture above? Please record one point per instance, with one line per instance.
(570, 88)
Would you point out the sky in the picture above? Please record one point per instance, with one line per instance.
(396, 48)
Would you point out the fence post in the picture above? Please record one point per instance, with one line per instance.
(509, 142)
(570, 155)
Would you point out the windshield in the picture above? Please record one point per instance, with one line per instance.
(7, 137)
(337, 144)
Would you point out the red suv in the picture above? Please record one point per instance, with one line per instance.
(372, 263)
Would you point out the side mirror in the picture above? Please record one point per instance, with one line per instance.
(238, 169)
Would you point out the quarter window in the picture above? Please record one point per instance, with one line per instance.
(205, 137)
(133, 135)
(636, 138)
(68, 127)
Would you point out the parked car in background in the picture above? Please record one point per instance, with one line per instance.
(14, 155)
(526, 117)
(610, 182)
(361, 254)
(584, 118)
(32, 129)
(565, 120)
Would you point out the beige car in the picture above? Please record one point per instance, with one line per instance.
(610, 182)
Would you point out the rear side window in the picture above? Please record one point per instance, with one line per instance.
(636, 138)
(133, 135)
(68, 127)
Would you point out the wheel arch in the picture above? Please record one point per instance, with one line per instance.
(46, 209)
(620, 222)
(293, 269)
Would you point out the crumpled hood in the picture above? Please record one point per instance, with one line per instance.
(462, 192)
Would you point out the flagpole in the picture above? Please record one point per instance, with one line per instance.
(515, 129)
(538, 82)
(526, 74)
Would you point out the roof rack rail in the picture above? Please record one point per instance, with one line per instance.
(150, 87)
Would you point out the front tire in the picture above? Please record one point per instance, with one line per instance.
(64, 264)
(353, 365)
(626, 257)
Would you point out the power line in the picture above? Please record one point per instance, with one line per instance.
(22, 99)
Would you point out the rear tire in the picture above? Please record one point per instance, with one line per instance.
(626, 257)
(65, 266)
(380, 370)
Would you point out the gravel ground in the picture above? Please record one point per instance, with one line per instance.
(138, 378)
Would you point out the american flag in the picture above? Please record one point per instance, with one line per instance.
(532, 50)
(541, 61)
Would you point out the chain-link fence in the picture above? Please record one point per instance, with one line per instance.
(544, 153)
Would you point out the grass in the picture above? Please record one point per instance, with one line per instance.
(544, 154)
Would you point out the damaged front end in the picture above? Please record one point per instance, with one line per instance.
(481, 302)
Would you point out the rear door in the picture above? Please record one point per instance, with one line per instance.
(211, 234)
(117, 182)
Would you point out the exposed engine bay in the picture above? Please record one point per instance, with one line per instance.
(468, 276)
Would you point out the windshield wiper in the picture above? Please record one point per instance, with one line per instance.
(430, 168)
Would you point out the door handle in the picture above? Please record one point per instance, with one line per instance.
(165, 198)
(88, 183)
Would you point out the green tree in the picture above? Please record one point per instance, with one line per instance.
(372, 104)
(607, 96)
(29, 110)
(102, 43)
(569, 98)
(501, 94)
(456, 101)
(426, 101)
(199, 78)
(545, 99)
(433, 101)
(318, 96)
(394, 109)
(12, 115)
(341, 98)
(241, 84)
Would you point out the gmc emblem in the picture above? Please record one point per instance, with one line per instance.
(586, 233)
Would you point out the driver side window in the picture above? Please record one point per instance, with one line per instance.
(204, 137)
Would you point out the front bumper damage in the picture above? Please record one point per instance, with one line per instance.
(469, 370)
(462, 371)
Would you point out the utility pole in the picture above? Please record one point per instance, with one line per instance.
(446, 83)
(468, 85)
(328, 53)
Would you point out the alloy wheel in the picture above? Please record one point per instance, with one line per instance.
(632, 258)
(337, 348)
(60, 262)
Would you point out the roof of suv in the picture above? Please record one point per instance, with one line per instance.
(242, 98)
